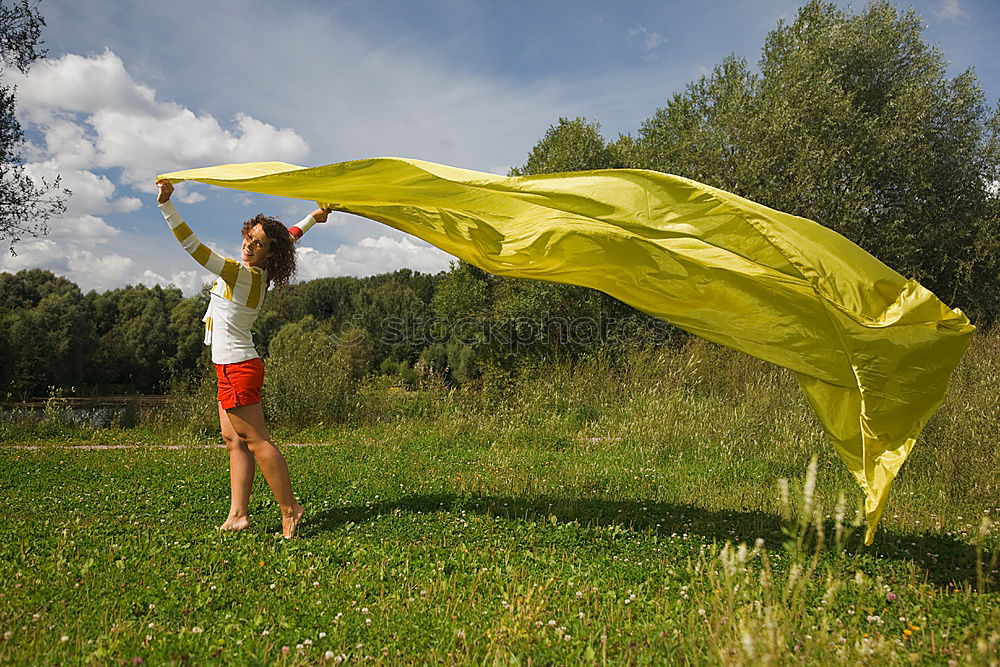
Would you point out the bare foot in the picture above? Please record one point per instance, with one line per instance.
(235, 523)
(290, 521)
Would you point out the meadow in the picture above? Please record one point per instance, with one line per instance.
(675, 505)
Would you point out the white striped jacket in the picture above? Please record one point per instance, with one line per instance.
(236, 296)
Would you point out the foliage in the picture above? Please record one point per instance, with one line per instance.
(47, 332)
(308, 378)
(570, 145)
(26, 202)
(144, 339)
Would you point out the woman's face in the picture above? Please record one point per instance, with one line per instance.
(256, 247)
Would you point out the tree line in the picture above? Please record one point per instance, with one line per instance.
(457, 324)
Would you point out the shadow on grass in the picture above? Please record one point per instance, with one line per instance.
(944, 561)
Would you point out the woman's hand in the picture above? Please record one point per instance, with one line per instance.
(166, 189)
(321, 214)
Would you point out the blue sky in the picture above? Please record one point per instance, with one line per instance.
(132, 89)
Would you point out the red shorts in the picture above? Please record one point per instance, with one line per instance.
(240, 383)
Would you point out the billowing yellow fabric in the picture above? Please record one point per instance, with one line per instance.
(872, 350)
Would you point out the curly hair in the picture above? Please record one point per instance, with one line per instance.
(281, 255)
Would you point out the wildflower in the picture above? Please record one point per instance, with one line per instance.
(460, 634)
(328, 655)
(262, 563)
(265, 633)
(322, 634)
(308, 642)
(368, 621)
(64, 639)
(552, 623)
(136, 660)
(196, 630)
(285, 650)
(890, 596)
(580, 615)
(579, 594)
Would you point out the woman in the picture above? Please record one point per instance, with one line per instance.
(268, 257)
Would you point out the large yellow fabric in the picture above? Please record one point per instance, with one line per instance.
(872, 350)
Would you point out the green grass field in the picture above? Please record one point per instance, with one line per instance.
(626, 514)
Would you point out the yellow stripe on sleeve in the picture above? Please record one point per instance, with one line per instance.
(230, 272)
(181, 232)
(201, 254)
(255, 282)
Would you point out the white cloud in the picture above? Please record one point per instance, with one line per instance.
(92, 193)
(94, 115)
(189, 282)
(647, 40)
(85, 84)
(82, 265)
(950, 10)
(371, 256)
(96, 123)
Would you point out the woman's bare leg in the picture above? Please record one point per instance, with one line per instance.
(241, 471)
(248, 423)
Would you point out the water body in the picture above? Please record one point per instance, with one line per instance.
(96, 411)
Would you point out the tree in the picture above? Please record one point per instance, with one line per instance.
(570, 145)
(852, 122)
(26, 203)
(188, 330)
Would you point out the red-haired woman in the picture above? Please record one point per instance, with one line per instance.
(268, 258)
